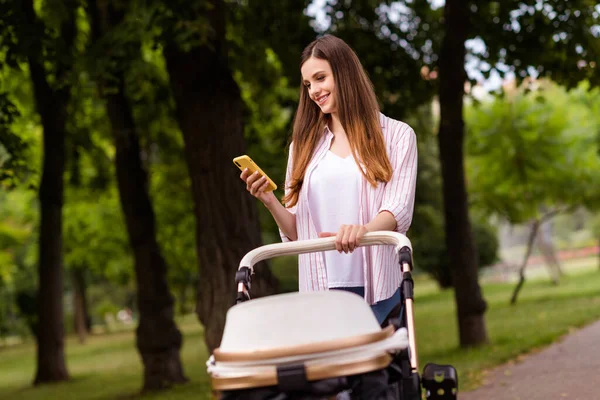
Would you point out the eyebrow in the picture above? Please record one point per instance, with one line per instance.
(315, 74)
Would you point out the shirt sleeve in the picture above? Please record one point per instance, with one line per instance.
(288, 177)
(399, 192)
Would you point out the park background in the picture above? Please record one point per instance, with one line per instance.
(123, 219)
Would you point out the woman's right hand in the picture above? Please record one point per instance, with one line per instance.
(256, 185)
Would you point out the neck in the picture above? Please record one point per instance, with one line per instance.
(335, 126)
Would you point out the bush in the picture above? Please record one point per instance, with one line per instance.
(431, 256)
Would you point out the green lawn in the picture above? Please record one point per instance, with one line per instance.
(108, 367)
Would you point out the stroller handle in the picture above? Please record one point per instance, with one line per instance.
(266, 252)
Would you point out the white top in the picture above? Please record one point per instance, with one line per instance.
(382, 275)
(334, 200)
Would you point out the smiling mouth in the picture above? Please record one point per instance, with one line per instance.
(321, 100)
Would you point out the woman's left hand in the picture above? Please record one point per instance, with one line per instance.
(347, 238)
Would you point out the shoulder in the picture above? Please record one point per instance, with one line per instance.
(394, 130)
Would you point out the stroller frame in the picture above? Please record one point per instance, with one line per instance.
(439, 381)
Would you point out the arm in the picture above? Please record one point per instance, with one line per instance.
(399, 192)
(384, 221)
(284, 217)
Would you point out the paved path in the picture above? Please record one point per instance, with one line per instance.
(569, 369)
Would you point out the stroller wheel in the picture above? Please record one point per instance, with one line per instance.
(440, 382)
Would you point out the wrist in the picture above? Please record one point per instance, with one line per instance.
(270, 200)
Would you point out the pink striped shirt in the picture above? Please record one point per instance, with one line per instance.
(381, 269)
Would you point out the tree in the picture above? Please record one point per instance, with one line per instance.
(549, 38)
(157, 338)
(470, 305)
(532, 155)
(48, 49)
(392, 42)
(509, 31)
(264, 64)
(209, 112)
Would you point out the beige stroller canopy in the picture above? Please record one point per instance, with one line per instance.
(331, 333)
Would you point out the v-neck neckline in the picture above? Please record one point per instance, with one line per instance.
(338, 156)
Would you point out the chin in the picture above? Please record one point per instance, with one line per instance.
(326, 110)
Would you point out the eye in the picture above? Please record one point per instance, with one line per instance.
(320, 78)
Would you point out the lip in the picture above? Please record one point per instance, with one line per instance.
(322, 100)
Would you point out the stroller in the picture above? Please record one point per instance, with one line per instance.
(323, 345)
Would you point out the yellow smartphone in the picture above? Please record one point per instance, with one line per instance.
(243, 162)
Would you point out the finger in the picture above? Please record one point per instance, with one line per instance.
(245, 174)
(251, 179)
(338, 238)
(345, 238)
(257, 185)
(264, 186)
(352, 238)
(327, 234)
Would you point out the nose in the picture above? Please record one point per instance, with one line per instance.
(314, 91)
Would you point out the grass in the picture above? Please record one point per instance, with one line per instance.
(108, 366)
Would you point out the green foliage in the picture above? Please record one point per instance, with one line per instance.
(532, 150)
(95, 238)
(18, 136)
(265, 67)
(555, 38)
(12, 146)
(181, 22)
(394, 42)
(431, 255)
(106, 307)
(16, 228)
(176, 226)
(427, 229)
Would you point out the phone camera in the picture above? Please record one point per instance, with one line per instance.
(236, 163)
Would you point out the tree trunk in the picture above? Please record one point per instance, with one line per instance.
(51, 104)
(209, 112)
(459, 239)
(80, 316)
(535, 225)
(157, 338)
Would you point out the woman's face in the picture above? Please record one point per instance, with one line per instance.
(318, 79)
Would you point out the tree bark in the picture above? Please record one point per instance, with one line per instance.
(51, 104)
(209, 112)
(535, 225)
(80, 316)
(459, 238)
(157, 337)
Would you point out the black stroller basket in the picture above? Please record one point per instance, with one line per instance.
(389, 375)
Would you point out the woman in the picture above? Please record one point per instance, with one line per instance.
(351, 170)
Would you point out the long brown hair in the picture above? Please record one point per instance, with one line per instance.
(357, 109)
